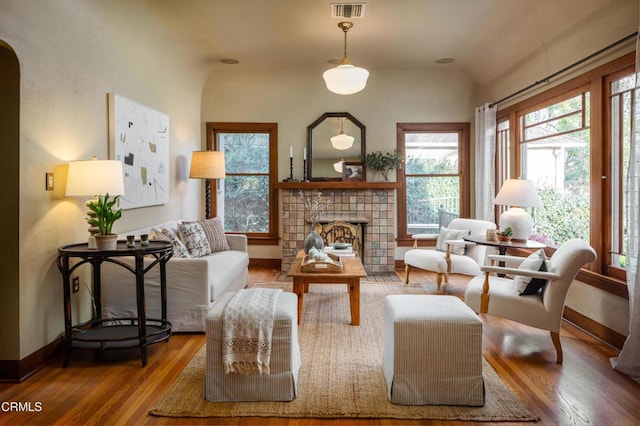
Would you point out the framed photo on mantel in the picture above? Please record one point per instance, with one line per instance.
(353, 171)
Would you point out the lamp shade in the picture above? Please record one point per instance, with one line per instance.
(338, 166)
(345, 79)
(95, 177)
(207, 165)
(518, 192)
(342, 141)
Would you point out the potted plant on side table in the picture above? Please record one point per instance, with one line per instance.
(106, 214)
(506, 235)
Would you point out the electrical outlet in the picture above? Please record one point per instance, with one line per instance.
(75, 284)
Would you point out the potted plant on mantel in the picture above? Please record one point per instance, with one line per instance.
(384, 161)
(505, 236)
(106, 214)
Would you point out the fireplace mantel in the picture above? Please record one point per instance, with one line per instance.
(337, 185)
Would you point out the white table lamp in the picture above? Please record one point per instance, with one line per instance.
(517, 193)
(94, 178)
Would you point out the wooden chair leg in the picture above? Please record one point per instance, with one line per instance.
(484, 297)
(406, 274)
(439, 281)
(555, 338)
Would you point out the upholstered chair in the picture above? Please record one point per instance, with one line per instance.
(528, 294)
(452, 255)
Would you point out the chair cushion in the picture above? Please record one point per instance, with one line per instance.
(427, 259)
(451, 234)
(526, 286)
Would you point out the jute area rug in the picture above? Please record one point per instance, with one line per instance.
(341, 374)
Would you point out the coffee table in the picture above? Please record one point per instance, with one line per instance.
(351, 273)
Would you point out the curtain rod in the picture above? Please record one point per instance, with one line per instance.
(565, 69)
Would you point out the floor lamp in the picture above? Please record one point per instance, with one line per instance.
(207, 165)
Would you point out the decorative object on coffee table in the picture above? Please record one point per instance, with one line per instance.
(318, 261)
(313, 240)
(313, 206)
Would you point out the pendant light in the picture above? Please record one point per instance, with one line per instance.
(338, 166)
(342, 141)
(345, 79)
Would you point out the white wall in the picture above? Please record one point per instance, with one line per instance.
(295, 98)
(71, 54)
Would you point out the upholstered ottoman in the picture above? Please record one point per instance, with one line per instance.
(281, 384)
(432, 351)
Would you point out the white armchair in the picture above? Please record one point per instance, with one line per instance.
(443, 260)
(496, 295)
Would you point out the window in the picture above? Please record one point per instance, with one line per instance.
(435, 176)
(620, 93)
(573, 143)
(555, 155)
(246, 200)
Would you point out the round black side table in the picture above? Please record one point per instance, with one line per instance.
(100, 334)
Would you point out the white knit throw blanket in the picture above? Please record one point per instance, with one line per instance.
(247, 326)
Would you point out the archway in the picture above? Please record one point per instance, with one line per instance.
(9, 213)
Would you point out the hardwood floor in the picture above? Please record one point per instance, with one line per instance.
(115, 389)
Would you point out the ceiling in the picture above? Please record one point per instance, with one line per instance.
(486, 37)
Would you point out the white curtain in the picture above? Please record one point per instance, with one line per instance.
(485, 161)
(628, 361)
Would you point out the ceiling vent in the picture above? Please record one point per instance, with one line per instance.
(348, 10)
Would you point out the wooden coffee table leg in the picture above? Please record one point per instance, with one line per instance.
(354, 300)
(298, 288)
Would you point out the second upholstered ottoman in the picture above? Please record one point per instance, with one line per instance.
(432, 351)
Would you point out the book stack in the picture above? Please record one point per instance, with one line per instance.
(341, 252)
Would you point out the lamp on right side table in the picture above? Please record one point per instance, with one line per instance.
(517, 193)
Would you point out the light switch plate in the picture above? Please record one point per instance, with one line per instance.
(49, 181)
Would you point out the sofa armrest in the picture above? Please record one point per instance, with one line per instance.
(237, 242)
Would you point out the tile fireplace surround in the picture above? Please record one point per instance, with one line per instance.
(373, 206)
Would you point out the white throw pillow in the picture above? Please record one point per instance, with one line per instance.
(179, 249)
(214, 230)
(194, 237)
(526, 286)
(451, 234)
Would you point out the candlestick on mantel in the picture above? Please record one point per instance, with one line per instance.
(304, 154)
(290, 151)
(290, 178)
(304, 169)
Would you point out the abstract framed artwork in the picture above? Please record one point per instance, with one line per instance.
(139, 137)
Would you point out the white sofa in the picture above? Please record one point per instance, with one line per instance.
(193, 284)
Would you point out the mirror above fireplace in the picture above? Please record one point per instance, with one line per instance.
(324, 154)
